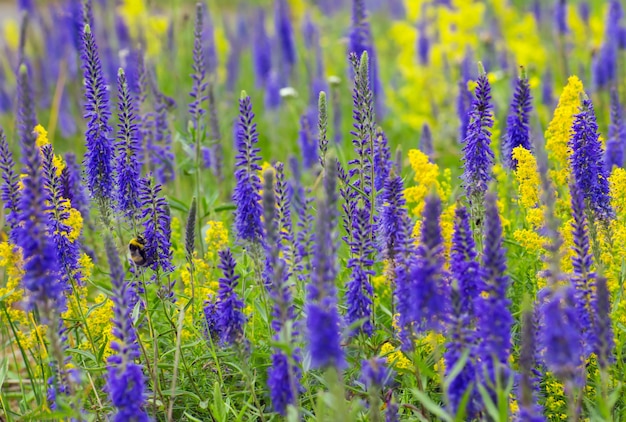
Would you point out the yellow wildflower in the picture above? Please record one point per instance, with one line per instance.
(156, 29)
(527, 177)
(100, 323)
(11, 33)
(426, 174)
(75, 222)
(617, 180)
(215, 238)
(86, 265)
(11, 261)
(560, 128)
(42, 136)
(395, 357)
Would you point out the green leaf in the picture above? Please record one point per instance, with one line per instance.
(431, 406)
(178, 204)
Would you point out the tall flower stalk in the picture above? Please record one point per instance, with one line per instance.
(125, 381)
(587, 163)
(283, 374)
(494, 320)
(155, 215)
(230, 319)
(324, 339)
(246, 195)
(10, 187)
(517, 123)
(128, 169)
(98, 159)
(41, 278)
(464, 292)
(478, 157)
(359, 294)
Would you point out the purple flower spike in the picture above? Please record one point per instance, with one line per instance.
(477, 154)
(98, 159)
(198, 90)
(560, 337)
(155, 214)
(606, 343)
(361, 41)
(127, 166)
(41, 267)
(605, 63)
(230, 319)
(261, 51)
(10, 187)
(284, 31)
(494, 320)
(429, 289)
(560, 17)
(465, 272)
(583, 278)
(68, 252)
(517, 128)
(246, 195)
(587, 162)
(324, 339)
(375, 373)
(614, 154)
(529, 410)
(359, 289)
(126, 381)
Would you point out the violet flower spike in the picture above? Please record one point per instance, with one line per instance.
(246, 195)
(587, 163)
(284, 32)
(614, 153)
(464, 291)
(125, 381)
(517, 122)
(199, 86)
(128, 169)
(529, 410)
(284, 375)
(494, 320)
(98, 159)
(41, 266)
(359, 294)
(230, 319)
(478, 157)
(606, 343)
(67, 249)
(429, 285)
(583, 277)
(324, 338)
(155, 214)
(426, 141)
(10, 188)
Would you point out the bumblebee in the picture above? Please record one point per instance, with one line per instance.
(137, 249)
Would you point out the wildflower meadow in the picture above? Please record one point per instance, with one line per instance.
(313, 210)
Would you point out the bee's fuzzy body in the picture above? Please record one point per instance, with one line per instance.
(137, 249)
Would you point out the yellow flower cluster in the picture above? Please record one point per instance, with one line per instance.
(215, 238)
(395, 357)
(426, 176)
(42, 140)
(100, 323)
(138, 21)
(11, 261)
(554, 399)
(204, 276)
(560, 128)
